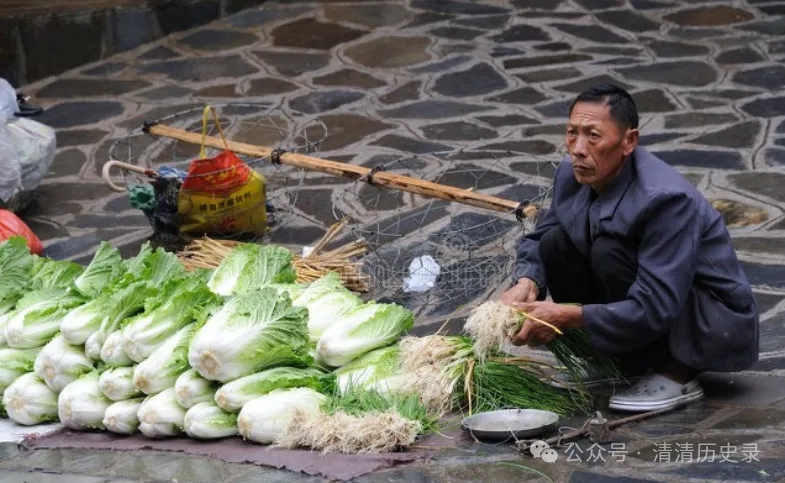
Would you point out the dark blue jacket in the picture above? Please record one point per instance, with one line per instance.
(689, 284)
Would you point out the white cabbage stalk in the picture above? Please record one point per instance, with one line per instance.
(81, 322)
(233, 395)
(165, 364)
(251, 332)
(113, 353)
(265, 418)
(60, 363)
(117, 384)
(29, 401)
(206, 420)
(15, 363)
(121, 417)
(3, 323)
(93, 346)
(160, 415)
(371, 326)
(82, 405)
(191, 389)
(23, 332)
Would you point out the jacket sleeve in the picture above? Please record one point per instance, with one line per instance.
(527, 259)
(667, 261)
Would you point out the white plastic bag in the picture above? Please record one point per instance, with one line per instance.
(27, 148)
(423, 272)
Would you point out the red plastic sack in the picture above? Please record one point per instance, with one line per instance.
(11, 225)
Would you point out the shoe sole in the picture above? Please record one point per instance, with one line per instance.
(648, 406)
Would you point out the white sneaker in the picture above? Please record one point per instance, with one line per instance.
(564, 380)
(655, 391)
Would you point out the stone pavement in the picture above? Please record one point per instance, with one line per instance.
(489, 82)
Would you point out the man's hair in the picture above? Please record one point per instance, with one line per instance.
(622, 107)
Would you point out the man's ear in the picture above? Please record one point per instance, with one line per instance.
(630, 141)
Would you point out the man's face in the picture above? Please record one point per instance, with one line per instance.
(597, 144)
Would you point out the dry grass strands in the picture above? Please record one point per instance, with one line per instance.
(418, 352)
(491, 324)
(209, 253)
(376, 432)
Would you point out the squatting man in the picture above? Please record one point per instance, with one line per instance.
(633, 253)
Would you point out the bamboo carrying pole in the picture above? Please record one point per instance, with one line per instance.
(380, 178)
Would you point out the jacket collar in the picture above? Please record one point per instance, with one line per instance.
(609, 199)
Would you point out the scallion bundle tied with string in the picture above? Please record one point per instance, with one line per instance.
(492, 324)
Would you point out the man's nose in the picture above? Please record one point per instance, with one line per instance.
(580, 146)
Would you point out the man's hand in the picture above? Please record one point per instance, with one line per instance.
(559, 315)
(524, 291)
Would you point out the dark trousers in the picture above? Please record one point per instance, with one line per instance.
(604, 276)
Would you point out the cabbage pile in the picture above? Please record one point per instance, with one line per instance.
(140, 345)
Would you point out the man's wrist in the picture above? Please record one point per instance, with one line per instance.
(574, 318)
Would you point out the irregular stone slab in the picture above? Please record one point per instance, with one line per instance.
(733, 94)
(269, 85)
(549, 74)
(491, 22)
(666, 48)
(555, 109)
(742, 55)
(483, 78)
(484, 272)
(775, 156)
(771, 335)
(427, 18)
(771, 77)
(395, 162)
(593, 33)
(648, 4)
(316, 203)
(703, 159)
(547, 130)
(79, 113)
(79, 137)
(696, 33)
(658, 138)
(606, 50)
(654, 100)
(118, 204)
(351, 78)
(742, 135)
(218, 40)
(407, 92)
(508, 120)
(409, 145)
(539, 147)
(535, 168)
(628, 20)
(545, 60)
(780, 128)
(156, 113)
(224, 90)
(441, 65)
(165, 92)
(553, 47)
(390, 51)
(371, 16)
(456, 33)
(468, 231)
(537, 4)
(377, 199)
(777, 47)
(159, 53)
(457, 131)
(769, 27)
(524, 95)
(522, 33)
(322, 101)
(583, 84)
(619, 61)
(200, 69)
(67, 162)
(767, 184)
(309, 33)
(737, 214)
(772, 10)
(456, 49)
(471, 176)
(264, 16)
(457, 8)
(697, 103)
(688, 73)
(432, 109)
(709, 16)
(107, 69)
(297, 235)
(87, 220)
(346, 129)
(771, 107)
(592, 5)
(292, 64)
(505, 51)
(73, 88)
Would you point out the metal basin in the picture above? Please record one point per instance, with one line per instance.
(510, 423)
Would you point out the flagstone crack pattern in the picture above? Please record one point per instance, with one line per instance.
(397, 78)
